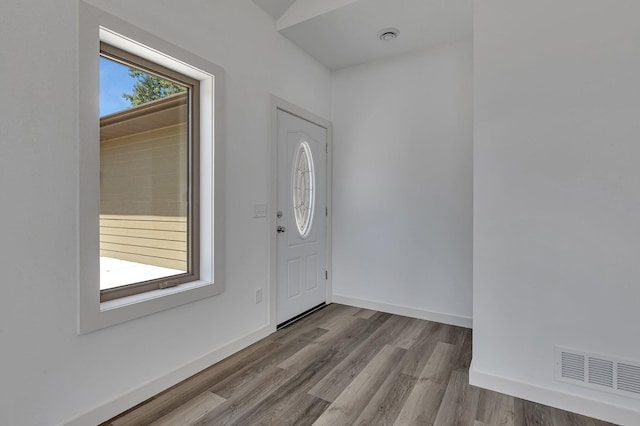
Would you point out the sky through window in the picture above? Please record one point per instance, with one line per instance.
(114, 82)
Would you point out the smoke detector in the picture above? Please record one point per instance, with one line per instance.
(388, 34)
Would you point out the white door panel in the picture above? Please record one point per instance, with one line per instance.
(301, 206)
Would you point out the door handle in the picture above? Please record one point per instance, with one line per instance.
(281, 229)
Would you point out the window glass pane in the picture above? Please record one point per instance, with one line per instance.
(144, 176)
(115, 81)
(303, 188)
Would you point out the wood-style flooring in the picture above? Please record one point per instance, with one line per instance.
(345, 366)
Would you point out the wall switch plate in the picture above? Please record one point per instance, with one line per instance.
(258, 295)
(259, 210)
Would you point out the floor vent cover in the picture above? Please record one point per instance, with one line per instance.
(602, 372)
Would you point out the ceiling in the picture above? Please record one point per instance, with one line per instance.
(275, 8)
(342, 33)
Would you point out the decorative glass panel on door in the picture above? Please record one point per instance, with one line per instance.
(303, 188)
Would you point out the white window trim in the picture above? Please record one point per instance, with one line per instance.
(94, 26)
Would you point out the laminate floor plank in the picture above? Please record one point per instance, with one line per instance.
(518, 412)
(249, 373)
(307, 356)
(529, 413)
(174, 397)
(463, 341)
(337, 380)
(559, 417)
(386, 403)
(291, 403)
(422, 405)
(420, 352)
(460, 402)
(410, 334)
(246, 398)
(365, 313)
(307, 335)
(338, 329)
(339, 339)
(338, 317)
(388, 332)
(346, 408)
(292, 396)
(192, 411)
(496, 408)
(299, 410)
(345, 366)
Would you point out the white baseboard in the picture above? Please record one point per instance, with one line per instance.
(122, 403)
(555, 398)
(440, 317)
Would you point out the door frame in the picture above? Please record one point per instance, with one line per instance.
(282, 105)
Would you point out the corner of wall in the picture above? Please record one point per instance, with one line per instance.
(444, 318)
(112, 408)
(553, 397)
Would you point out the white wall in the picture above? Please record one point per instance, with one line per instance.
(48, 374)
(556, 194)
(402, 184)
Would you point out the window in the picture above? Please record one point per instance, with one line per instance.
(148, 175)
(150, 195)
(303, 188)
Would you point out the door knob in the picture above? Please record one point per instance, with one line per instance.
(281, 229)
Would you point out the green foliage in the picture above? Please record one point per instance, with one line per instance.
(149, 87)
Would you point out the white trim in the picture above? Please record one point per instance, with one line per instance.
(406, 311)
(554, 398)
(275, 105)
(122, 403)
(96, 25)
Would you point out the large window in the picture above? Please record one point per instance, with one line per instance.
(150, 196)
(148, 175)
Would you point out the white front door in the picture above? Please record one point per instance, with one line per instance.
(301, 216)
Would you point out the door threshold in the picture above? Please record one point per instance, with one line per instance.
(300, 316)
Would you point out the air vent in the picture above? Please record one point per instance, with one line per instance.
(572, 366)
(388, 34)
(596, 371)
(629, 378)
(600, 372)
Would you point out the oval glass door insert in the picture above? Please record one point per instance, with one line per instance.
(303, 188)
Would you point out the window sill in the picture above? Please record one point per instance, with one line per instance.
(150, 295)
(106, 314)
